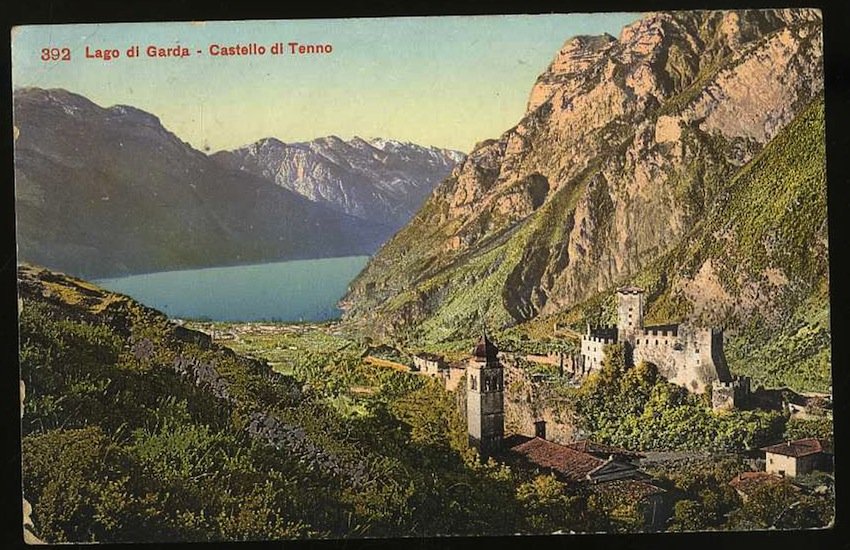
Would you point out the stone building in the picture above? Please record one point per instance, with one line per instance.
(608, 471)
(684, 354)
(746, 483)
(428, 363)
(725, 396)
(485, 400)
(569, 465)
(452, 376)
(593, 344)
(794, 458)
(611, 473)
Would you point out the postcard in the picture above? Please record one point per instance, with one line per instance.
(423, 276)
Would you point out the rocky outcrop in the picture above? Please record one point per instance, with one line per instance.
(626, 145)
(294, 441)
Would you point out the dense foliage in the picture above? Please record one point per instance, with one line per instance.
(637, 409)
(706, 498)
(784, 505)
(119, 446)
(136, 431)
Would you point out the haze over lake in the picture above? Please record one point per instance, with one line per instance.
(298, 290)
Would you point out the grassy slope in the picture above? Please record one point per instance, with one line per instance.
(783, 203)
(117, 446)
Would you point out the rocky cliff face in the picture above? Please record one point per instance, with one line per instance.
(109, 191)
(627, 144)
(378, 179)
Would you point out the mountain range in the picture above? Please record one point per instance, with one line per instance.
(109, 191)
(686, 156)
(376, 179)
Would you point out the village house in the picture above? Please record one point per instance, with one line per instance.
(746, 483)
(609, 472)
(795, 458)
(571, 465)
(601, 450)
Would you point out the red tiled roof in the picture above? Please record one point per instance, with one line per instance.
(513, 440)
(574, 465)
(798, 448)
(746, 481)
(596, 449)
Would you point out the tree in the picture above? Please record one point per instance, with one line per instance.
(765, 505)
(547, 507)
(688, 515)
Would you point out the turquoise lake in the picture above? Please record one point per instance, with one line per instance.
(298, 290)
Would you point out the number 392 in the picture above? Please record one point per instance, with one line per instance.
(56, 54)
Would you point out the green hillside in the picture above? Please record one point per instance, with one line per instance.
(137, 430)
(773, 219)
(119, 446)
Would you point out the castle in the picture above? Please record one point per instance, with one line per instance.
(685, 355)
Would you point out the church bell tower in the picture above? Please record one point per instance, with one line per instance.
(485, 404)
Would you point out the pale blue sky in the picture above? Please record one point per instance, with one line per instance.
(444, 81)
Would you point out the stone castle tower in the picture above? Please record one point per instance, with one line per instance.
(630, 303)
(485, 402)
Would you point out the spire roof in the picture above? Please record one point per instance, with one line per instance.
(485, 349)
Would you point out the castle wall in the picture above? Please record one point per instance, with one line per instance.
(719, 359)
(726, 396)
(592, 353)
(453, 377)
(473, 415)
(722, 397)
(426, 365)
(527, 402)
(685, 355)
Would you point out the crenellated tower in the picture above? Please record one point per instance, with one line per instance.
(630, 302)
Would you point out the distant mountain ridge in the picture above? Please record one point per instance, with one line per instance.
(109, 191)
(375, 179)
